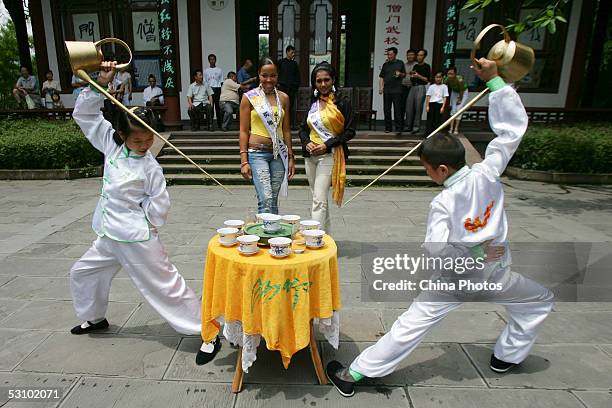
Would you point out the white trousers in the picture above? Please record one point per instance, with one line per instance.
(527, 302)
(149, 269)
(319, 173)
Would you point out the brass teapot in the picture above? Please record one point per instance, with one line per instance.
(87, 56)
(514, 60)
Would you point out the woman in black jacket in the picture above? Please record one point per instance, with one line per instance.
(329, 125)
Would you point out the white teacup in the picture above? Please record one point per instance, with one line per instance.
(280, 246)
(314, 237)
(294, 220)
(234, 224)
(248, 243)
(227, 236)
(271, 222)
(260, 216)
(309, 225)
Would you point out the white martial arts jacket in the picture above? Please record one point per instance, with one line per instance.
(470, 209)
(133, 200)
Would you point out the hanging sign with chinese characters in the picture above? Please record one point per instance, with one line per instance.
(470, 24)
(393, 19)
(167, 42)
(535, 36)
(146, 34)
(86, 27)
(449, 33)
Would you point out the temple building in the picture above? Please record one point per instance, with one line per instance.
(172, 38)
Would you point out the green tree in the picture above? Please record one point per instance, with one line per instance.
(550, 13)
(9, 68)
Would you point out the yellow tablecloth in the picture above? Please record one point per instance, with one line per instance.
(275, 298)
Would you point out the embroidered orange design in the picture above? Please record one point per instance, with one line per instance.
(474, 226)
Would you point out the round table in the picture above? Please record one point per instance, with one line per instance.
(278, 299)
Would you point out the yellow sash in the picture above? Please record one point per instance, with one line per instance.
(333, 120)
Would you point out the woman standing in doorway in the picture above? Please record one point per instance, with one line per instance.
(266, 155)
(324, 134)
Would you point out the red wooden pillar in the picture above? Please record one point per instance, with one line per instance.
(40, 41)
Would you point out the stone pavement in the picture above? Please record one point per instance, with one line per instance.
(142, 362)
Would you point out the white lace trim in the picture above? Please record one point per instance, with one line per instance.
(232, 331)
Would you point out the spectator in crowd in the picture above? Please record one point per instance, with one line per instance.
(125, 88)
(56, 101)
(458, 96)
(406, 82)
(229, 99)
(244, 77)
(77, 86)
(435, 102)
(26, 89)
(49, 87)
(421, 72)
(289, 80)
(199, 101)
(153, 94)
(213, 75)
(390, 87)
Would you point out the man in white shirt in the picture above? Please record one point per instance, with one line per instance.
(153, 94)
(49, 87)
(230, 99)
(199, 101)
(213, 75)
(26, 89)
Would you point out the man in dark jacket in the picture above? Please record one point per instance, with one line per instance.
(390, 86)
(289, 80)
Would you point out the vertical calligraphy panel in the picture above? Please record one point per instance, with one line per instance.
(449, 33)
(393, 19)
(167, 42)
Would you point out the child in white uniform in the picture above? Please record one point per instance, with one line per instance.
(466, 219)
(133, 204)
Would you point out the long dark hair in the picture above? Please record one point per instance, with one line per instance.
(321, 66)
(125, 123)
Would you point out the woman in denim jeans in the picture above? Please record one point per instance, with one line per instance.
(266, 155)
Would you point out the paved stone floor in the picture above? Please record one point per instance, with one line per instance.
(142, 362)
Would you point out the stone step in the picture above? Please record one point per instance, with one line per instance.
(203, 159)
(362, 134)
(357, 150)
(358, 141)
(300, 179)
(352, 169)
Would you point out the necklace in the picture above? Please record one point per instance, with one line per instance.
(275, 114)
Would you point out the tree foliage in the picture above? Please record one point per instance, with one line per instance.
(548, 15)
(9, 68)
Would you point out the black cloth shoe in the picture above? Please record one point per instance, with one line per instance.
(92, 326)
(500, 366)
(203, 358)
(345, 388)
